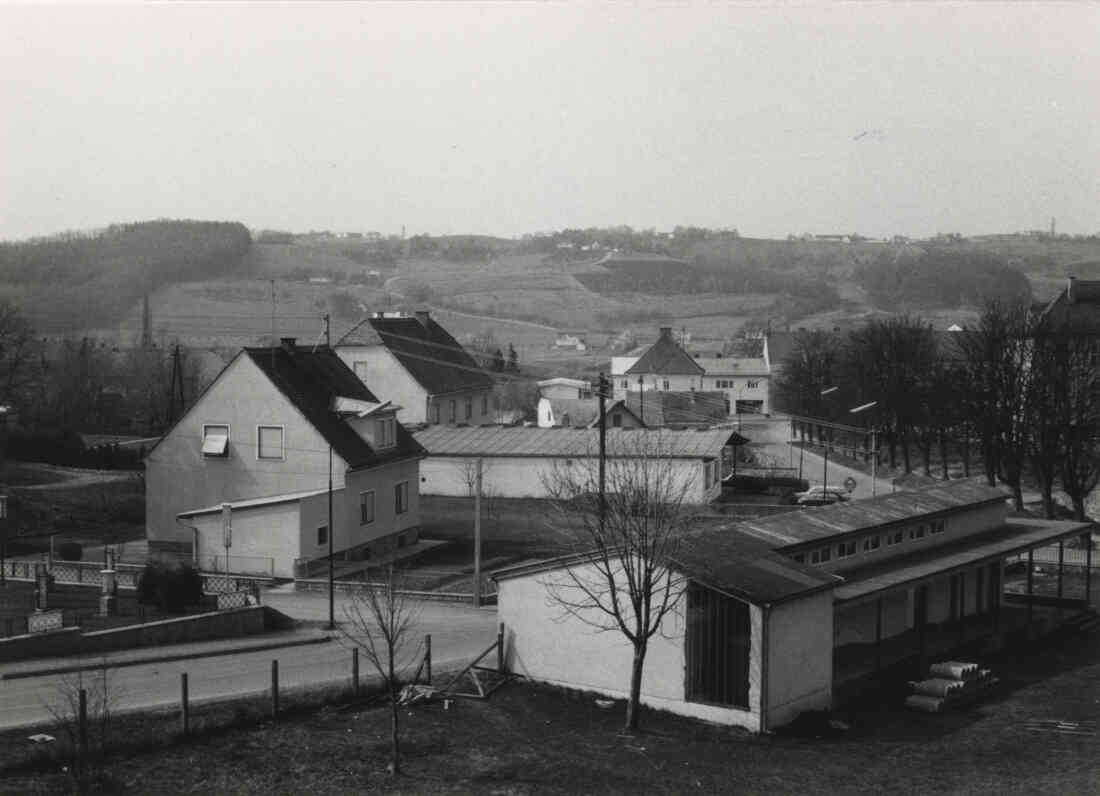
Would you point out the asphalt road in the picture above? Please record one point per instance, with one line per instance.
(459, 633)
(772, 436)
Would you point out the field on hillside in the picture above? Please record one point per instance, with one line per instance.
(280, 260)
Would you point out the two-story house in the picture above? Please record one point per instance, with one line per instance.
(255, 452)
(416, 363)
(667, 367)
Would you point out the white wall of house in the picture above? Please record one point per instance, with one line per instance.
(547, 644)
(800, 657)
(179, 478)
(387, 378)
(259, 533)
(655, 381)
(527, 477)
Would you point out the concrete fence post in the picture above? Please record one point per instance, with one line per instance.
(185, 704)
(275, 689)
(82, 727)
(428, 657)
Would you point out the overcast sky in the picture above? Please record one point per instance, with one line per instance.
(508, 118)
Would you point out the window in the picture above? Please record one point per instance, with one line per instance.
(215, 441)
(366, 507)
(821, 556)
(666, 384)
(917, 532)
(322, 535)
(454, 410)
(800, 558)
(752, 385)
(718, 641)
(936, 526)
(617, 420)
(484, 405)
(269, 442)
(401, 497)
(845, 549)
(385, 430)
(360, 369)
(872, 543)
(469, 408)
(895, 537)
(626, 384)
(435, 413)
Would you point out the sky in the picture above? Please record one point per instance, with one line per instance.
(508, 118)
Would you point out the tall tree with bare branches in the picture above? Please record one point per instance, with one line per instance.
(380, 619)
(626, 537)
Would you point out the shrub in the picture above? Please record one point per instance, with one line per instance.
(70, 551)
(170, 587)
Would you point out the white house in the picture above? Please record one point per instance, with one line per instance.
(745, 644)
(561, 387)
(666, 366)
(414, 362)
(262, 438)
(524, 462)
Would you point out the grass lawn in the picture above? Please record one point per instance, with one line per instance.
(530, 739)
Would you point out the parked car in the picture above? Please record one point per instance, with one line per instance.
(819, 496)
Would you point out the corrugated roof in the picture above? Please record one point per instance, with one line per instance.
(271, 500)
(425, 349)
(667, 358)
(812, 524)
(572, 443)
(1015, 535)
(310, 378)
(724, 560)
(729, 561)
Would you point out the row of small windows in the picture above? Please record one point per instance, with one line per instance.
(729, 384)
(452, 409)
(870, 544)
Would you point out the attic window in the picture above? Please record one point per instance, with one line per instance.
(215, 441)
(385, 432)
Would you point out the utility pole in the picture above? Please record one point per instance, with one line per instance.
(331, 560)
(641, 398)
(477, 536)
(328, 331)
(603, 386)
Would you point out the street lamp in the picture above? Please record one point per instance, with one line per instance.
(874, 446)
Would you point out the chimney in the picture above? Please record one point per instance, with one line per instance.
(666, 331)
(423, 316)
(1071, 290)
(288, 343)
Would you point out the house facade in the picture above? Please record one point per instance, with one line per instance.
(412, 361)
(666, 366)
(800, 611)
(265, 429)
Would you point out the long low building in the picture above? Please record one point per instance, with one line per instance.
(798, 611)
(526, 462)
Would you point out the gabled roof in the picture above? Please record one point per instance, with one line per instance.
(666, 358)
(723, 560)
(814, 524)
(1076, 308)
(311, 378)
(570, 443)
(733, 366)
(425, 349)
(658, 408)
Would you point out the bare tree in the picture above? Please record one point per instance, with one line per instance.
(89, 741)
(380, 619)
(626, 536)
(1077, 412)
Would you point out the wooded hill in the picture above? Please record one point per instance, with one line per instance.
(76, 281)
